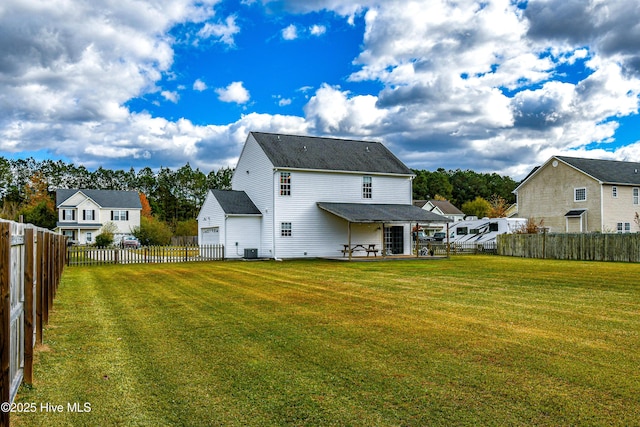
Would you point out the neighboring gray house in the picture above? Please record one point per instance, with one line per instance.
(300, 196)
(575, 195)
(82, 213)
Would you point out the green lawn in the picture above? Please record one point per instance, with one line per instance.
(474, 340)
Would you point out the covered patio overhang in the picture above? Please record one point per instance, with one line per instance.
(378, 213)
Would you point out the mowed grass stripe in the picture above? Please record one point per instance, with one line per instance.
(470, 340)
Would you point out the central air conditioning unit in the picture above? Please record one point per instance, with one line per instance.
(251, 253)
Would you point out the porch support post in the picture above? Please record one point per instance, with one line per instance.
(448, 246)
(349, 238)
(417, 240)
(384, 249)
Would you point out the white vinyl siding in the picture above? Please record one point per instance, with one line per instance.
(254, 174)
(319, 233)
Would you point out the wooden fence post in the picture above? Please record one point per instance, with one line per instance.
(39, 280)
(28, 305)
(5, 318)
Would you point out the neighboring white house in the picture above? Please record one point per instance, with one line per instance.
(82, 213)
(440, 207)
(301, 196)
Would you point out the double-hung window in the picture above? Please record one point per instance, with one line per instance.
(89, 215)
(636, 196)
(614, 192)
(285, 229)
(579, 194)
(285, 183)
(366, 187)
(119, 215)
(624, 227)
(68, 214)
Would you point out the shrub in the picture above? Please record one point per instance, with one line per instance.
(152, 232)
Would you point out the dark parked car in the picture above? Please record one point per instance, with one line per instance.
(439, 236)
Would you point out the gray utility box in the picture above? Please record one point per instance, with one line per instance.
(251, 253)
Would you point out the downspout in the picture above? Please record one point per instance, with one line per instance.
(273, 215)
(601, 207)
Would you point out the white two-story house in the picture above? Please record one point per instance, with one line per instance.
(300, 196)
(82, 213)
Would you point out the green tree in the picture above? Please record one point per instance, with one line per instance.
(478, 207)
(188, 227)
(38, 207)
(152, 232)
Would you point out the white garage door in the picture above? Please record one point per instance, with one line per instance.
(210, 236)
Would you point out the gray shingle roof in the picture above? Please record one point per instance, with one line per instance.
(363, 213)
(307, 152)
(608, 171)
(235, 202)
(104, 198)
(446, 207)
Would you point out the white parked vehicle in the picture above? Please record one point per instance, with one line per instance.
(482, 231)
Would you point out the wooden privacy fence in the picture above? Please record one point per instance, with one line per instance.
(580, 246)
(89, 255)
(31, 263)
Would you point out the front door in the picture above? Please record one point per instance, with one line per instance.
(394, 240)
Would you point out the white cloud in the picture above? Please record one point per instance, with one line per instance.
(283, 102)
(170, 96)
(331, 111)
(477, 84)
(290, 33)
(222, 31)
(199, 85)
(235, 92)
(317, 30)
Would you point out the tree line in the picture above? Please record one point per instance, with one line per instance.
(27, 187)
(478, 194)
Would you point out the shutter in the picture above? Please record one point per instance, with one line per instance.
(84, 215)
(64, 214)
(93, 214)
(127, 215)
(73, 215)
(111, 215)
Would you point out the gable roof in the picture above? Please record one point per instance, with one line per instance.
(316, 153)
(606, 171)
(235, 202)
(446, 207)
(104, 198)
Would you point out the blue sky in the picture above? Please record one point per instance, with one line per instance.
(492, 86)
